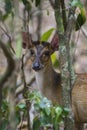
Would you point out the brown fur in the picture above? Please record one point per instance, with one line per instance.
(48, 82)
(79, 100)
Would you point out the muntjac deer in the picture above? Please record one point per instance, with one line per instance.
(48, 81)
(79, 101)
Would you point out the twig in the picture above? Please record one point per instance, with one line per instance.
(39, 18)
(25, 94)
(76, 43)
(84, 32)
(5, 32)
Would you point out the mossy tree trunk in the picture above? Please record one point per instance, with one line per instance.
(65, 27)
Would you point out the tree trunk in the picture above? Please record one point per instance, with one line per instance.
(64, 51)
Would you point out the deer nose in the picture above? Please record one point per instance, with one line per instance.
(36, 66)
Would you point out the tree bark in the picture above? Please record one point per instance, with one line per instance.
(64, 51)
(8, 72)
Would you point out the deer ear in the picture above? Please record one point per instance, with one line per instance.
(26, 40)
(55, 42)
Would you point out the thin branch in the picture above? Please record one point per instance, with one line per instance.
(76, 44)
(37, 12)
(11, 64)
(39, 18)
(84, 32)
(21, 88)
(70, 26)
(63, 14)
(25, 92)
(5, 32)
(10, 39)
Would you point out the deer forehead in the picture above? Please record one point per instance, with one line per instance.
(41, 48)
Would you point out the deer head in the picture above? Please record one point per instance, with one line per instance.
(40, 51)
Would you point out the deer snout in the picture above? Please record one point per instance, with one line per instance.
(37, 66)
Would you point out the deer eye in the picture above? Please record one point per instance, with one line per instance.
(47, 53)
(32, 52)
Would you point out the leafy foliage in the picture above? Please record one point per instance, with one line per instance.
(4, 115)
(76, 3)
(47, 113)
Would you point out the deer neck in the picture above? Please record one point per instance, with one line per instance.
(48, 83)
(45, 77)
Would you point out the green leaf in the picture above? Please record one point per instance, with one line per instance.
(17, 117)
(35, 96)
(55, 60)
(42, 105)
(36, 107)
(66, 111)
(18, 47)
(46, 101)
(48, 111)
(58, 111)
(46, 35)
(56, 126)
(5, 105)
(21, 106)
(81, 19)
(77, 3)
(53, 57)
(36, 123)
(31, 96)
(4, 124)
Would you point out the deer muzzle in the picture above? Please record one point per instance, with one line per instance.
(37, 66)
